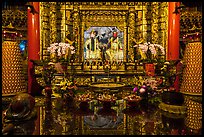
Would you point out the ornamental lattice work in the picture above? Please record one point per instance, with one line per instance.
(18, 19)
(190, 22)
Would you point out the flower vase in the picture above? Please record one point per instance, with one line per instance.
(149, 69)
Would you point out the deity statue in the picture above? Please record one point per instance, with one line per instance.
(103, 45)
(115, 50)
(92, 46)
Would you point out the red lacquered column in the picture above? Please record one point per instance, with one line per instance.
(33, 46)
(173, 32)
(173, 36)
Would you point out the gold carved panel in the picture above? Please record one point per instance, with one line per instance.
(137, 20)
(95, 18)
(80, 81)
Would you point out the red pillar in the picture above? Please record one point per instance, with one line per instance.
(173, 32)
(33, 47)
(173, 37)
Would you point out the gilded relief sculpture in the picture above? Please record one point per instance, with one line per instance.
(154, 23)
(95, 20)
(76, 31)
(53, 23)
(133, 19)
(131, 33)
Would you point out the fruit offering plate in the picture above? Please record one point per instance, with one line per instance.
(84, 97)
(107, 98)
(133, 98)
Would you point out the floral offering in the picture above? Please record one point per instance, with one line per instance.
(65, 86)
(150, 52)
(62, 51)
(133, 98)
(148, 85)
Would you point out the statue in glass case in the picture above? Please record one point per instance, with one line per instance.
(115, 50)
(103, 43)
(92, 46)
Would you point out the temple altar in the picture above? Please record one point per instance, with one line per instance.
(102, 68)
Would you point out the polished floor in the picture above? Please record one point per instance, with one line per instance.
(53, 118)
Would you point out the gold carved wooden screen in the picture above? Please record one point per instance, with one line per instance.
(137, 20)
(121, 15)
(97, 18)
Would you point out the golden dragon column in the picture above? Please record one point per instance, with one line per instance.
(53, 23)
(76, 28)
(131, 32)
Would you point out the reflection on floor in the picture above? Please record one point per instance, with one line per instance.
(120, 119)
